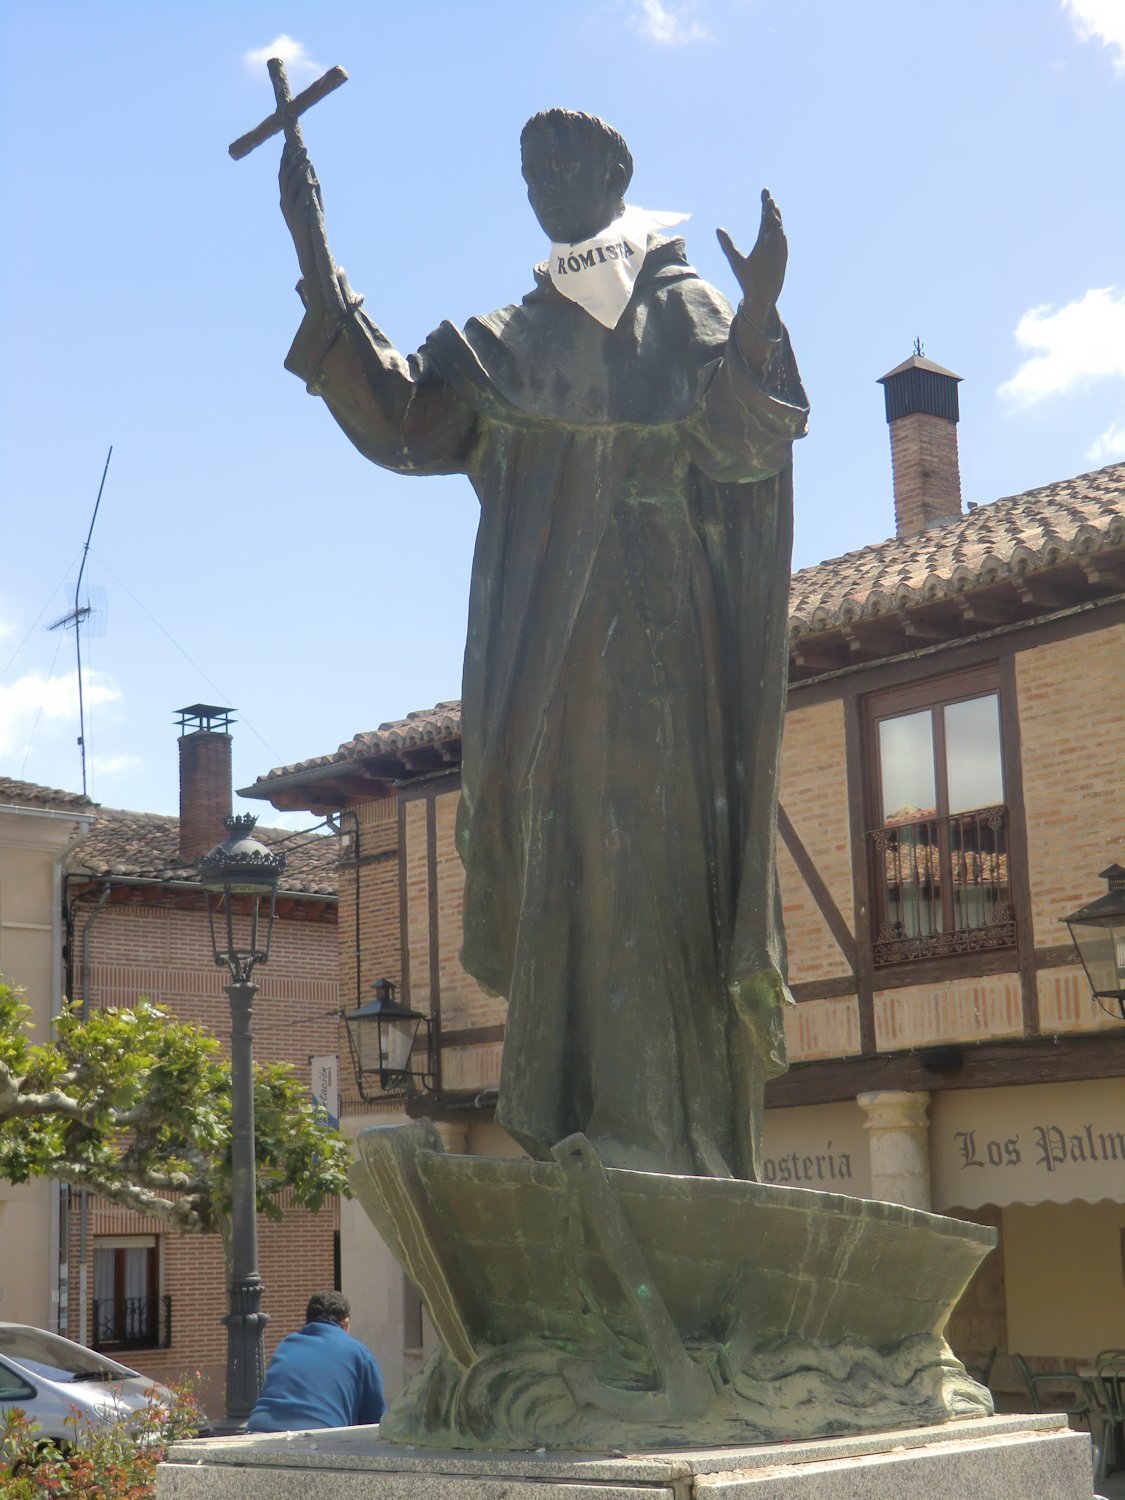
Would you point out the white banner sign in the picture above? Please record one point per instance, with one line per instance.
(1043, 1143)
(821, 1146)
(326, 1087)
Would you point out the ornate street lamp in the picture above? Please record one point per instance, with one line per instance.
(381, 1037)
(1098, 931)
(240, 878)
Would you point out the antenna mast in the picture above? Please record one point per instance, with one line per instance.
(76, 616)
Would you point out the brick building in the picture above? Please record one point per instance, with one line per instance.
(136, 925)
(951, 786)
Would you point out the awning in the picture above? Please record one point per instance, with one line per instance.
(1040, 1143)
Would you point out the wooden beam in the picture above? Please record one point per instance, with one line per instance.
(980, 610)
(823, 989)
(1057, 956)
(433, 920)
(473, 1036)
(357, 783)
(820, 652)
(935, 623)
(869, 640)
(422, 758)
(946, 970)
(328, 799)
(855, 761)
(806, 868)
(1018, 856)
(987, 1065)
(1047, 590)
(1104, 571)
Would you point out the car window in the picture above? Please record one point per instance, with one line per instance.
(13, 1387)
(56, 1357)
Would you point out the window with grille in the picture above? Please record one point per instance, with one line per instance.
(129, 1312)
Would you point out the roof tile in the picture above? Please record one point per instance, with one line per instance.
(27, 794)
(1009, 537)
(147, 846)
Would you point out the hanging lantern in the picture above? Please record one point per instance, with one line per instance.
(1098, 931)
(382, 1037)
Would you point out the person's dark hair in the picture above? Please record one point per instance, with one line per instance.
(600, 136)
(327, 1307)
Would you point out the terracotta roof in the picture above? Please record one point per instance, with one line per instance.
(1016, 535)
(1009, 537)
(147, 845)
(27, 794)
(429, 726)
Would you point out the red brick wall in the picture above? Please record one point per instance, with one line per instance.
(163, 951)
(927, 479)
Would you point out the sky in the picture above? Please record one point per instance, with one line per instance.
(948, 171)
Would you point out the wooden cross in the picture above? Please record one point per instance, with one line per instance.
(288, 109)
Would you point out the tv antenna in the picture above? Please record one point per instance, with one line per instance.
(80, 615)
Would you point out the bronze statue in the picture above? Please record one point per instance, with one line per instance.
(625, 668)
(629, 441)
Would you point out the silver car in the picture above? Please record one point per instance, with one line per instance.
(52, 1378)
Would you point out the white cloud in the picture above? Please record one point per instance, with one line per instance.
(54, 699)
(115, 765)
(1108, 448)
(1081, 342)
(298, 64)
(1102, 21)
(667, 23)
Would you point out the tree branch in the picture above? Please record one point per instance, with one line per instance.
(179, 1214)
(16, 1105)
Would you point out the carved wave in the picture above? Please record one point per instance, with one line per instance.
(522, 1396)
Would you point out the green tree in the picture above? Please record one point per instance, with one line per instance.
(134, 1105)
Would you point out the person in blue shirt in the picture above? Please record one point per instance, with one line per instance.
(320, 1376)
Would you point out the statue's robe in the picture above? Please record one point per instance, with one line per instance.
(623, 693)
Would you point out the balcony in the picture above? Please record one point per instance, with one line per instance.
(940, 886)
(132, 1323)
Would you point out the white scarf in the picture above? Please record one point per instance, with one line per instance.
(599, 273)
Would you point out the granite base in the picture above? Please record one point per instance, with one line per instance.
(986, 1458)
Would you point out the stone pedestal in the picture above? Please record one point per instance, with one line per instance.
(987, 1458)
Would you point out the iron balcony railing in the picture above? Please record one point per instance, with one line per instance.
(132, 1323)
(941, 886)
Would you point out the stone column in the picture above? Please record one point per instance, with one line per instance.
(898, 1142)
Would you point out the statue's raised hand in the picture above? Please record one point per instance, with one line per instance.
(301, 209)
(761, 273)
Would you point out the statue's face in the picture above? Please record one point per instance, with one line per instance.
(572, 187)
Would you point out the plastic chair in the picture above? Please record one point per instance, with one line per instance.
(1056, 1390)
(980, 1370)
(1079, 1398)
(1107, 1391)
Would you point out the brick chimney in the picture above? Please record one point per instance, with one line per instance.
(922, 413)
(205, 778)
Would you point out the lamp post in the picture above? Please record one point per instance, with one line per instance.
(1098, 931)
(240, 878)
(381, 1038)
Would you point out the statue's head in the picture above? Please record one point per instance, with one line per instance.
(577, 169)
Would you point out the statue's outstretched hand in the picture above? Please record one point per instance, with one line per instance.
(761, 273)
